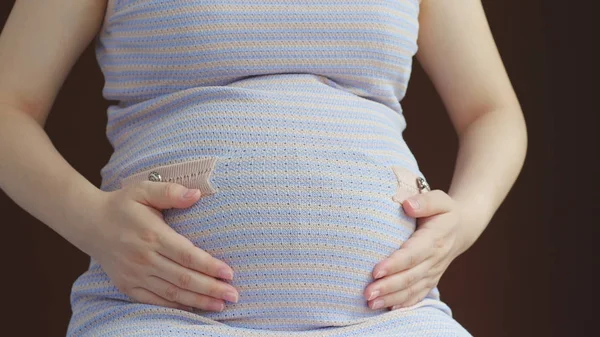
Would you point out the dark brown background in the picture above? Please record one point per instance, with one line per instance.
(526, 275)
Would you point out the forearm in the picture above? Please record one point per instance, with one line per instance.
(38, 179)
(491, 154)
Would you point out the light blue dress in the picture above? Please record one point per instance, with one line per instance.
(286, 114)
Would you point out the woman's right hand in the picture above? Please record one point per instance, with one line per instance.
(146, 259)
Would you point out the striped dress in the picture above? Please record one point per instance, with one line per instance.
(286, 115)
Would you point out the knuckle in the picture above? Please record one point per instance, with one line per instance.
(410, 280)
(201, 301)
(185, 258)
(184, 280)
(172, 293)
(214, 289)
(170, 190)
(141, 258)
(412, 259)
(439, 243)
(149, 236)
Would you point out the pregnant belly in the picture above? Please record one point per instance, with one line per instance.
(302, 230)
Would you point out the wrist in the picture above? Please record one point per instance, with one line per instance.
(472, 221)
(85, 202)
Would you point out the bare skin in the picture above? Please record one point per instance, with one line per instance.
(123, 230)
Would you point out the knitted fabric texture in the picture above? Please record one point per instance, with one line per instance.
(287, 115)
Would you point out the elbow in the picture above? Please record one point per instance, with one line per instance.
(511, 120)
(524, 134)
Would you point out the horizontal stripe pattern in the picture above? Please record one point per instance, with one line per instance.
(150, 48)
(296, 105)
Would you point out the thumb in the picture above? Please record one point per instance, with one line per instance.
(163, 195)
(428, 203)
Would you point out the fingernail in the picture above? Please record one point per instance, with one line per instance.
(374, 294)
(380, 273)
(217, 306)
(414, 203)
(377, 304)
(190, 193)
(225, 273)
(231, 297)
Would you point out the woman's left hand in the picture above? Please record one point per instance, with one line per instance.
(407, 276)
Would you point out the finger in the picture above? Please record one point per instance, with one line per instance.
(419, 296)
(398, 281)
(192, 280)
(173, 293)
(399, 297)
(181, 250)
(412, 252)
(426, 204)
(162, 195)
(146, 296)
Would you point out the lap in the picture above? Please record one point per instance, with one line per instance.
(110, 317)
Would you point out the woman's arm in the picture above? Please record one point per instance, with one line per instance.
(457, 51)
(39, 44)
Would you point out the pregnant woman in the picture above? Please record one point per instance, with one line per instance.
(260, 184)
